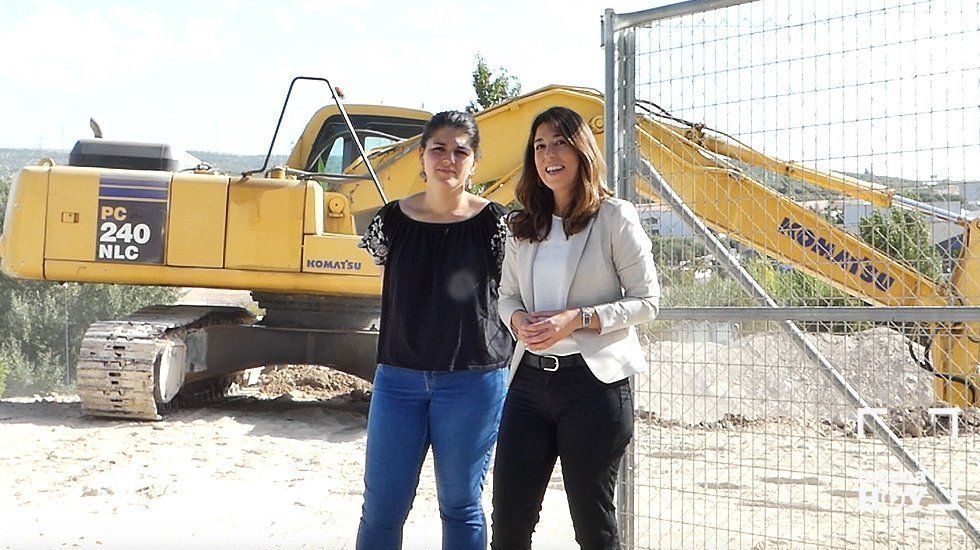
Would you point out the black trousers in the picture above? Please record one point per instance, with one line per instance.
(568, 414)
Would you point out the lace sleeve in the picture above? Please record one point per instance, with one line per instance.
(375, 241)
(498, 241)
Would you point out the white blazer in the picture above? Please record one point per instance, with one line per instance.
(612, 270)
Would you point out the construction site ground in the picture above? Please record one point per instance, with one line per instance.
(279, 465)
(257, 472)
(251, 472)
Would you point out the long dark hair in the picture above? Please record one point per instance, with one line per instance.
(534, 221)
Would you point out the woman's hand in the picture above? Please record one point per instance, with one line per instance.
(544, 329)
(520, 321)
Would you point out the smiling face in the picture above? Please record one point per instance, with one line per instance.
(447, 157)
(555, 159)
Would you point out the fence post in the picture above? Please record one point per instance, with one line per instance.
(609, 122)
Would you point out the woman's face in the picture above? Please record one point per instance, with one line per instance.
(555, 159)
(447, 158)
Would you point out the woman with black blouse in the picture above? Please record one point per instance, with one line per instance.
(442, 351)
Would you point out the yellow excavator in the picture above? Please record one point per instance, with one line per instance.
(120, 212)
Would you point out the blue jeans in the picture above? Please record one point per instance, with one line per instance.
(457, 413)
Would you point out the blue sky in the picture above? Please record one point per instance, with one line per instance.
(211, 75)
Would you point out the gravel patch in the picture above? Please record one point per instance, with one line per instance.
(765, 375)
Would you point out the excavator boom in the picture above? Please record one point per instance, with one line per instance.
(729, 199)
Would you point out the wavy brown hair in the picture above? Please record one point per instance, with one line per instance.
(534, 221)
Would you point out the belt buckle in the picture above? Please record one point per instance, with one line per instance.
(555, 359)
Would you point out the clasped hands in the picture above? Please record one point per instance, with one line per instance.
(543, 329)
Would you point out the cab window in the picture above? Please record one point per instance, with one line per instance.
(333, 163)
(370, 142)
(333, 149)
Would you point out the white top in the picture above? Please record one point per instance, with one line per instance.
(550, 280)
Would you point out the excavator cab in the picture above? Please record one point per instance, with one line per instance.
(334, 149)
(326, 146)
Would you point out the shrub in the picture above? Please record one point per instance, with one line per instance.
(903, 236)
(42, 324)
(675, 251)
(3, 374)
(790, 287)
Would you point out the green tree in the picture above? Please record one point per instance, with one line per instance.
(904, 236)
(674, 251)
(492, 89)
(38, 318)
(791, 287)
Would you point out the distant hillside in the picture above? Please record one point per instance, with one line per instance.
(897, 184)
(12, 160)
(965, 193)
(235, 164)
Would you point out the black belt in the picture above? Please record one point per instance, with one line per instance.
(551, 363)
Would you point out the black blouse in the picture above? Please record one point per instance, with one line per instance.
(439, 296)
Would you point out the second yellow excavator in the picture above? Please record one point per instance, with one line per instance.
(120, 213)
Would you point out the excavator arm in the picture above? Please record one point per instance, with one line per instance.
(699, 168)
(732, 202)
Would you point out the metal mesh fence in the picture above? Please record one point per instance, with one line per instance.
(827, 147)
(741, 442)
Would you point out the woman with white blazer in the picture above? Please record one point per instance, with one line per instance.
(578, 274)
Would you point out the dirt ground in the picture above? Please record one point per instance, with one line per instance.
(258, 472)
(784, 484)
(738, 445)
(279, 466)
(250, 473)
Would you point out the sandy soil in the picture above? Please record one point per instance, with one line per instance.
(280, 473)
(738, 445)
(286, 473)
(785, 484)
(251, 473)
(764, 375)
(748, 446)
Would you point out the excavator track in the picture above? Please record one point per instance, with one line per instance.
(120, 361)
